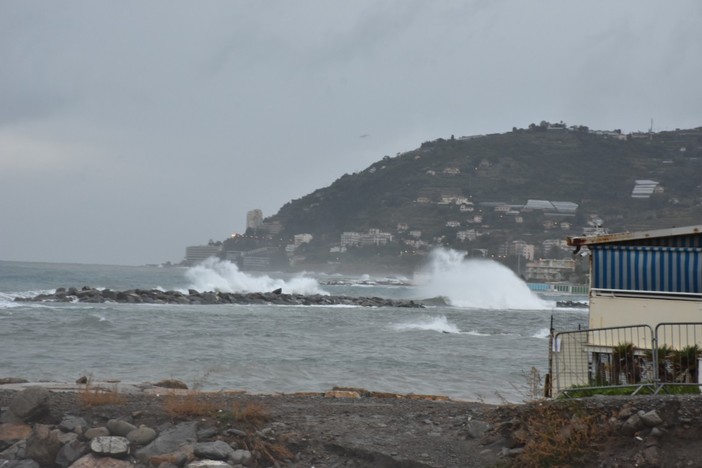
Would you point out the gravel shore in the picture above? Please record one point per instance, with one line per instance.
(358, 428)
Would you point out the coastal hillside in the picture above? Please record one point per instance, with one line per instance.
(535, 185)
(596, 171)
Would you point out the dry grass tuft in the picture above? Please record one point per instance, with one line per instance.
(273, 452)
(90, 396)
(188, 405)
(560, 435)
(361, 391)
(253, 414)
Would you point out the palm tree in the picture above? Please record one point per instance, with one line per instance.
(685, 364)
(624, 362)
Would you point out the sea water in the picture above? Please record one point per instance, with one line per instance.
(480, 343)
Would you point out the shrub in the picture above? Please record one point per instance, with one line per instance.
(188, 405)
(560, 434)
(90, 396)
(253, 414)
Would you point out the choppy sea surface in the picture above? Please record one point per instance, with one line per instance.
(480, 347)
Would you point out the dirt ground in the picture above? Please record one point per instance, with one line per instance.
(378, 430)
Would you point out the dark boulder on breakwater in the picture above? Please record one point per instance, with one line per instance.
(572, 304)
(156, 296)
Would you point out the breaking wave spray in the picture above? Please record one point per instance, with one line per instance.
(224, 276)
(475, 283)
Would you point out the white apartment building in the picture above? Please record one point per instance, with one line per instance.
(550, 269)
(198, 253)
(372, 237)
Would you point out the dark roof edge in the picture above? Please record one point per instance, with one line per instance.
(628, 236)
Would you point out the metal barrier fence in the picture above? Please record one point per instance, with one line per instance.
(565, 288)
(678, 353)
(632, 358)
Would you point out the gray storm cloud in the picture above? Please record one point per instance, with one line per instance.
(130, 130)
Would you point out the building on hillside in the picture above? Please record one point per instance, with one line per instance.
(372, 237)
(550, 245)
(258, 259)
(195, 254)
(376, 237)
(519, 248)
(550, 269)
(565, 207)
(299, 239)
(467, 235)
(552, 208)
(273, 228)
(644, 188)
(254, 219)
(350, 239)
(453, 200)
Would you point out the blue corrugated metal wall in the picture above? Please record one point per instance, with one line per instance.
(648, 268)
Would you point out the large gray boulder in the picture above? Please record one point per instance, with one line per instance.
(119, 427)
(112, 446)
(218, 450)
(92, 461)
(71, 423)
(71, 452)
(30, 403)
(142, 435)
(240, 457)
(94, 432)
(177, 439)
(651, 419)
(43, 445)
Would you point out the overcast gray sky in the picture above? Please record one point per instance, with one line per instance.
(131, 129)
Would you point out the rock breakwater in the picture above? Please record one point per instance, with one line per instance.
(156, 296)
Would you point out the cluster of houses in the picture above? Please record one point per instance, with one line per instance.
(556, 213)
(551, 267)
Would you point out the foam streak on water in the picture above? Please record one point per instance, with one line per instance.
(475, 283)
(438, 324)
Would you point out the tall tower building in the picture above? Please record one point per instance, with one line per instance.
(254, 219)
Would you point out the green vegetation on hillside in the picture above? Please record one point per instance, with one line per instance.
(474, 176)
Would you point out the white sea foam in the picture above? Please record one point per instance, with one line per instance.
(7, 300)
(477, 333)
(438, 324)
(475, 283)
(543, 333)
(224, 276)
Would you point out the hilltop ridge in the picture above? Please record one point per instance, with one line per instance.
(485, 192)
